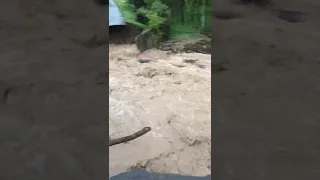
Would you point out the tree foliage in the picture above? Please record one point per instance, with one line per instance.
(163, 16)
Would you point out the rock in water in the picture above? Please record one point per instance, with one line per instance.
(147, 40)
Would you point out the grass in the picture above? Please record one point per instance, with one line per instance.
(183, 31)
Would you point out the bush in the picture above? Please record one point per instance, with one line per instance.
(155, 15)
(173, 18)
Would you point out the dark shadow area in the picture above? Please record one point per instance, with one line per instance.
(123, 34)
(266, 116)
(53, 91)
(102, 2)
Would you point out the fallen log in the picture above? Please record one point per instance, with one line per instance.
(128, 138)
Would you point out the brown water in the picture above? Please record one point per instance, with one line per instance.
(167, 94)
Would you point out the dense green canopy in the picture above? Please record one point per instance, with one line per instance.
(170, 18)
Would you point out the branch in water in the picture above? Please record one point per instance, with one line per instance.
(129, 138)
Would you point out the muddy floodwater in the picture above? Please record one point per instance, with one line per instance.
(169, 92)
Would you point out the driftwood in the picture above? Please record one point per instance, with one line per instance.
(128, 138)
